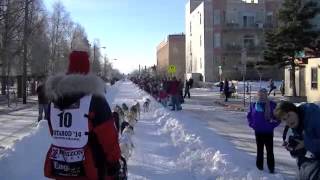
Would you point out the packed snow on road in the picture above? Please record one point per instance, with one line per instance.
(167, 145)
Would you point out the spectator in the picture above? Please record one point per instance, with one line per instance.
(272, 87)
(191, 83)
(174, 93)
(163, 96)
(221, 86)
(180, 90)
(226, 89)
(187, 89)
(79, 106)
(42, 101)
(282, 88)
(305, 125)
(261, 119)
(232, 88)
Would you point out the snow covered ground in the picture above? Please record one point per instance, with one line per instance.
(168, 145)
(16, 124)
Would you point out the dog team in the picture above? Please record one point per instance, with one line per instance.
(125, 120)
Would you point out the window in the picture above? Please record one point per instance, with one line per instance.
(200, 18)
(190, 29)
(290, 77)
(251, 21)
(216, 17)
(269, 18)
(314, 78)
(217, 40)
(248, 21)
(200, 63)
(248, 41)
(200, 40)
(245, 21)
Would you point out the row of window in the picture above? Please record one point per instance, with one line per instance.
(248, 41)
(314, 79)
(191, 65)
(247, 21)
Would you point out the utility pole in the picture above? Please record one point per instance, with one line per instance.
(105, 67)
(244, 69)
(25, 49)
(139, 70)
(94, 57)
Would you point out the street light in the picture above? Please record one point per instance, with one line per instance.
(105, 65)
(244, 69)
(94, 51)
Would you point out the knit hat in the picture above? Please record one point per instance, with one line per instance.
(78, 63)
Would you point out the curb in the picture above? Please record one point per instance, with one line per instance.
(29, 105)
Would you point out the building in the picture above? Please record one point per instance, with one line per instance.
(171, 51)
(307, 79)
(229, 34)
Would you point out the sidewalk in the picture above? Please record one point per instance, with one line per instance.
(17, 121)
(237, 104)
(4, 109)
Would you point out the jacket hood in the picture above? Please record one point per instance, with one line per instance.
(62, 85)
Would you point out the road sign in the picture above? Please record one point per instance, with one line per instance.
(172, 69)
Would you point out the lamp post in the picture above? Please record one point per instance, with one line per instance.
(94, 52)
(244, 69)
(220, 73)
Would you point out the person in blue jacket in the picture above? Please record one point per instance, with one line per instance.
(304, 120)
(260, 118)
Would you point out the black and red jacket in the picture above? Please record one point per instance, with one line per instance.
(102, 152)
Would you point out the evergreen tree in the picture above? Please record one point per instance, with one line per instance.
(294, 33)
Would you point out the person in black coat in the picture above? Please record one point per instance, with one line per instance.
(190, 83)
(42, 101)
(226, 89)
(187, 89)
(221, 86)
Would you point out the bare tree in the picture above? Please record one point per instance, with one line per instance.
(60, 25)
(11, 21)
(96, 66)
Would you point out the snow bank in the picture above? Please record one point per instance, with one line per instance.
(201, 152)
(25, 159)
(203, 161)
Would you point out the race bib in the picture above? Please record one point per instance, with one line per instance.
(67, 163)
(70, 127)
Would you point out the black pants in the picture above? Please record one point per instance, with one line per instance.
(226, 93)
(274, 91)
(265, 139)
(186, 92)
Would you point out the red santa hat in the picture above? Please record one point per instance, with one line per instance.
(79, 63)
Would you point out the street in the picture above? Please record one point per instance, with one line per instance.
(233, 126)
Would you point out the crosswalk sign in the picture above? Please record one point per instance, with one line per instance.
(172, 69)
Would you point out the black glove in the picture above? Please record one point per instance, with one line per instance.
(113, 169)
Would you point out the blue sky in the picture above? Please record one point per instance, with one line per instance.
(130, 29)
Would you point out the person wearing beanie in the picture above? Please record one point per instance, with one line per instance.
(261, 120)
(84, 139)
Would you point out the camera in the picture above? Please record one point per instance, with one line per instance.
(292, 144)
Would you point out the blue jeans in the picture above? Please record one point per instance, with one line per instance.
(176, 102)
(43, 108)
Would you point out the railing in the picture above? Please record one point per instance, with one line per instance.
(236, 26)
(231, 48)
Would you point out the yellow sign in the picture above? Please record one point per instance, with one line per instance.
(172, 69)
